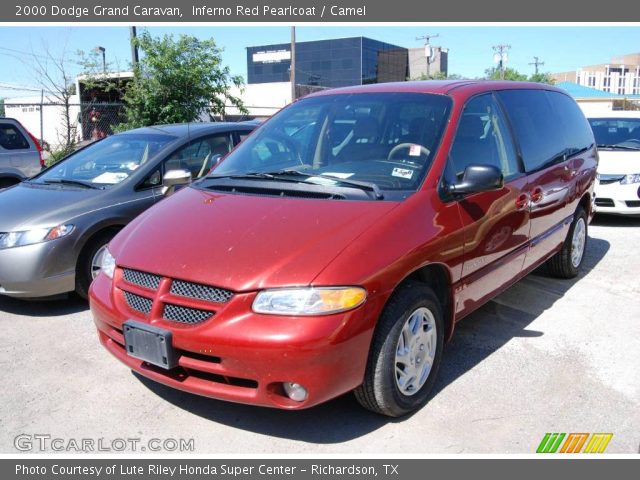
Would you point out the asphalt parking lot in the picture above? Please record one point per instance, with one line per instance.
(546, 356)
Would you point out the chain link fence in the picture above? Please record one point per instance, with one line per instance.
(57, 125)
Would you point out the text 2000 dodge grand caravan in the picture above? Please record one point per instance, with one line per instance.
(336, 247)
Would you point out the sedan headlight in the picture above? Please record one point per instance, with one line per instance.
(30, 237)
(309, 301)
(108, 264)
(631, 178)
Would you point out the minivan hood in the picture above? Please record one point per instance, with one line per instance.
(30, 206)
(618, 162)
(243, 242)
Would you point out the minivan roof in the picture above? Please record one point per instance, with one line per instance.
(442, 87)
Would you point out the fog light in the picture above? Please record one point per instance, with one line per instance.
(295, 391)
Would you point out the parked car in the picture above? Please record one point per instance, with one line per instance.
(312, 263)
(55, 226)
(20, 153)
(618, 185)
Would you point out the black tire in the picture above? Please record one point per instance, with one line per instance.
(561, 264)
(83, 267)
(380, 392)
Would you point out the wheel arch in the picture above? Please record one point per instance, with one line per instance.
(438, 277)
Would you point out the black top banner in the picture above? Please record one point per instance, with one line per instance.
(313, 11)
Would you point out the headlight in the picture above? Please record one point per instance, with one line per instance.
(37, 235)
(631, 178)
(308, 301)
(108, 264)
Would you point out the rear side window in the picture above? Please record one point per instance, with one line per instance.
(575, 128)
(536, 125)
(11, 138)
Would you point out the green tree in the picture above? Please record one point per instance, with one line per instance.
(438, 76)
(2, 114)
(176, 80)
(494, 73)
(542, 78)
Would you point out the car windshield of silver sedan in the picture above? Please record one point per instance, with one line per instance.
(616, 133)
(381, 143)
(107, 162)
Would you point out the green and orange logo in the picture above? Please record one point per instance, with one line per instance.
(573, 442)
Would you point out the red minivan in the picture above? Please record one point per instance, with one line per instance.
(336, 248)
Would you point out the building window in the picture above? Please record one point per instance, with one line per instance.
(591, 80)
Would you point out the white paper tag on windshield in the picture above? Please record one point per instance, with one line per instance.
(402, 173)
(328, 181)
(414, 150)
(110, 177)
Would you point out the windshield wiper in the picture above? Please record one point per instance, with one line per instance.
(621, 147)
(68, 181)
(368, 186)
(282, 175)
(253, 176)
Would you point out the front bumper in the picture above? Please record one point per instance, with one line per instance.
(244, 357)
(39, 270)
(618, 199)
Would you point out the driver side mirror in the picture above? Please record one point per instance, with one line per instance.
(477, 178)
(174, 180)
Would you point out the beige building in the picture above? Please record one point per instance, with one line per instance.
(438, 62)
(620, 76)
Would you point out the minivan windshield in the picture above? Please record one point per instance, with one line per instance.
(107, 162)
(382, 142)
(616, 133)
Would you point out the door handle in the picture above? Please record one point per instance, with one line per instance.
(522, 201)
(537, 195)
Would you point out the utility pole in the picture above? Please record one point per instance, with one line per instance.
(292, 73)
(134, 46)
(501, 57)
(104, 58)
(536, 63)
(427, 49)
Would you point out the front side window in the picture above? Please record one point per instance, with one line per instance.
(109, 161)
(482, 137)
(388, 139)
(198, 156)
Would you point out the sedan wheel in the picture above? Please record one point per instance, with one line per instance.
(96, 262)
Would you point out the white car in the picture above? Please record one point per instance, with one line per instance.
(617, 188)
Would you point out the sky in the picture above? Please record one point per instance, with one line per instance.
(561, 48)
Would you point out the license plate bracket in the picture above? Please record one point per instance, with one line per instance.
(150, 344)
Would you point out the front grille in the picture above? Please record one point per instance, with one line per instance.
(200, 292)
(142, 279)
(189, 316)
(633, 203)
(171, 311)
(138, 303)
(604, 202)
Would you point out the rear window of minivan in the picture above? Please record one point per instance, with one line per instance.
(548, 126)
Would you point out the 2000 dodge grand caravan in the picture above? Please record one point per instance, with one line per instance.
(336, 247)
